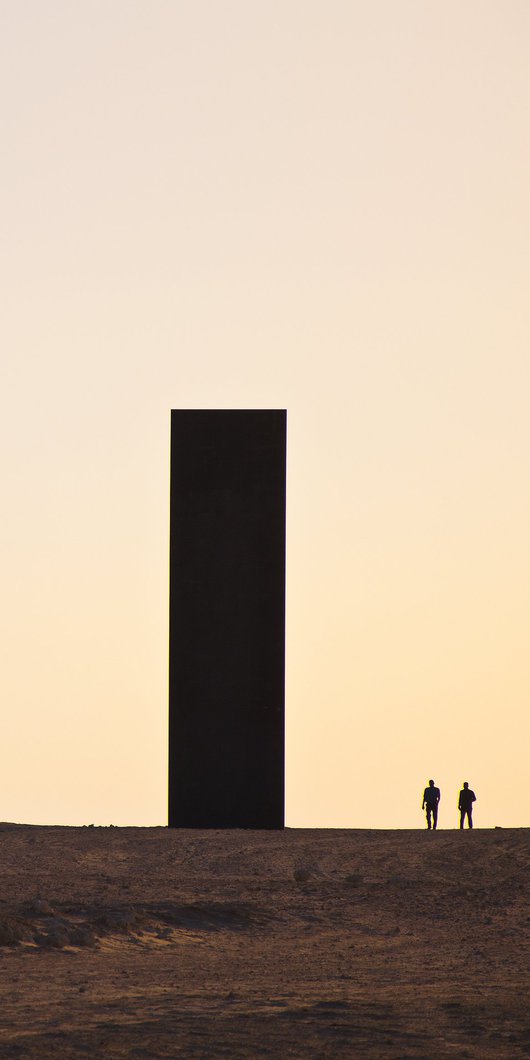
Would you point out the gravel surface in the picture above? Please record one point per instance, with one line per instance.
(146, 942)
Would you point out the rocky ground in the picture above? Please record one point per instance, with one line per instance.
(118, 942)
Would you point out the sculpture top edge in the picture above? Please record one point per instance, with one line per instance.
(231, 411)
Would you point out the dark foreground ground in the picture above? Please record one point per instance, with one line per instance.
(155, 943)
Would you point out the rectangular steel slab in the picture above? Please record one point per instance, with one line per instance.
(227, 619)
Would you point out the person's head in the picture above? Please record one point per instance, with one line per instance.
(431, 783)
(466, 785)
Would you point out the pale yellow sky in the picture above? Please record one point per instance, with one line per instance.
(318, 206)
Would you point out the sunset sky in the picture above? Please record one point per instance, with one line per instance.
(318, 206)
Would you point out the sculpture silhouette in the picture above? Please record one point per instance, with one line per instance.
(227, 619)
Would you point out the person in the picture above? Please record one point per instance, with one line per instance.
(465, 804)
(431, 798)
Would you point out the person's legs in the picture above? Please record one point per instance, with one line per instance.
(462, 815)
(470, 817)
(435, 815)
(428, 813)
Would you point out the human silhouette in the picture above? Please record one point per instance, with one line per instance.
(431, 798)
(465, 804)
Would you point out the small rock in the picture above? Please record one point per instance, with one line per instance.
(354, 879)
(118, 919)
(8, 933)
(82, 936)
(55, 939)
(41, 907)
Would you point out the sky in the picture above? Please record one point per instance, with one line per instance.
(318, 206)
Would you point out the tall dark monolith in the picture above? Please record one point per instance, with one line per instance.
(227, 619)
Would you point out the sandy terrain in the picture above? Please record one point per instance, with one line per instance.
(156, 943)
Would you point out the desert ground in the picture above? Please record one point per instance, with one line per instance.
(149, 942)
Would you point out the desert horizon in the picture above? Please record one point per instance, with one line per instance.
(158, 942)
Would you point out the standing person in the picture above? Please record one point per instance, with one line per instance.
(431, 798)
(465, 804)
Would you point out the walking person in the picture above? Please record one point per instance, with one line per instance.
(465, 805)
(431, 798)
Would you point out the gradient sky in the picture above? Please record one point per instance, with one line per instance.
(248, 203)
